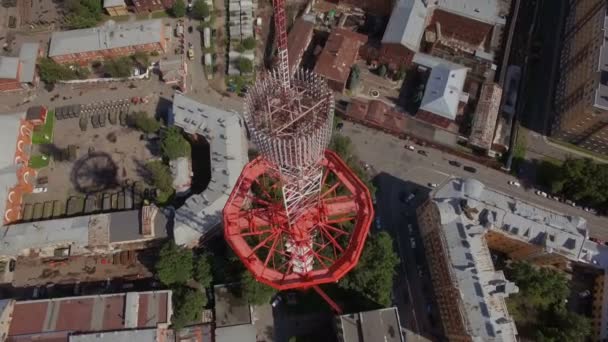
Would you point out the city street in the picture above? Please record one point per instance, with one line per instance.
(412, 167)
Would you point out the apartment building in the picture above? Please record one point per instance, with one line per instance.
(581, 95)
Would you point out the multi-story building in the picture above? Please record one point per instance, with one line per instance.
(107, 41)
(581, 95)
(459, 224)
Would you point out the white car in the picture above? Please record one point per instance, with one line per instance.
(514, 183)
(541, 193)
(409, 147)
(39, 190)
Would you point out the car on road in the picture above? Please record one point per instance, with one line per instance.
(541, 193)
(422, 152)
(339, 126)
(413, 242)
(470, 169)
(514, 183)
(432, 185)
(454, 163)
(409, 147)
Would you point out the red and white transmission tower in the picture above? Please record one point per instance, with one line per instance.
(298, 217)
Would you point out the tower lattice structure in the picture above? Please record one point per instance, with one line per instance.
(298, 216)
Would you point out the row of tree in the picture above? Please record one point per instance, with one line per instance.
(539, 309)
(581, 180)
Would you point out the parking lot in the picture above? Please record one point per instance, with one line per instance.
(106, 157)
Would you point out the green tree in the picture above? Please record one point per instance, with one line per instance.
(202, 270)
(248, 43)
(118, 67)
(245, 65)
(179, 9)
(188, 306)
(174, 265)
(200, 10)
(144, 123)
(355, 76)
(141, 58)
(160, 177)
(173, 144)
(255, 292)
(382, 70)
(373, 275)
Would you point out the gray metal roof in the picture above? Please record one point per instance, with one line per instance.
(28, 54)
(225, 132)
(371, 326)
(137, 335)
(443, 87)
(113, 3)
(406, 24)
(109, 36)
(72, 232)
(9, 67)
(468, 209)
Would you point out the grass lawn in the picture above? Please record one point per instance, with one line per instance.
(44, 134)
(160, 14)
(38, 162)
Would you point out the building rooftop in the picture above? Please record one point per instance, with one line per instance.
(482, 288)
(339, 54)
(298, 40)
(9, 67)
(406, 24)
(55, 319)
(28, 54)
(443, 87)
(371, 326)
(230, 309)
(111, 35)
(113, 3)
(486, 116)
(225, 132)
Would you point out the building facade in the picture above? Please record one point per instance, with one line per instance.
(108, 41)
(581, 95)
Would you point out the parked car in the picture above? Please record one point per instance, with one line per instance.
(514, 183)
(454, 163)
(470, 169)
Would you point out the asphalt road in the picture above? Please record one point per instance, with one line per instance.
(386, 154)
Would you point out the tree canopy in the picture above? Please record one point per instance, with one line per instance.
(539, 307)
(255, 292)
(173, 144)
(188, 306)
(373, 275)
(179, 9)
(145, 123)
(83, 13)
(174, 265)
(202, 270)
(245, 65)
(200, 10)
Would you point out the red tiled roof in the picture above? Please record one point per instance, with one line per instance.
(53, 319)
(299, 37)
(339, 54)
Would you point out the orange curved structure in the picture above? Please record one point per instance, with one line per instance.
(334, 230)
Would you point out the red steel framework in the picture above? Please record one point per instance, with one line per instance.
(298, 217)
